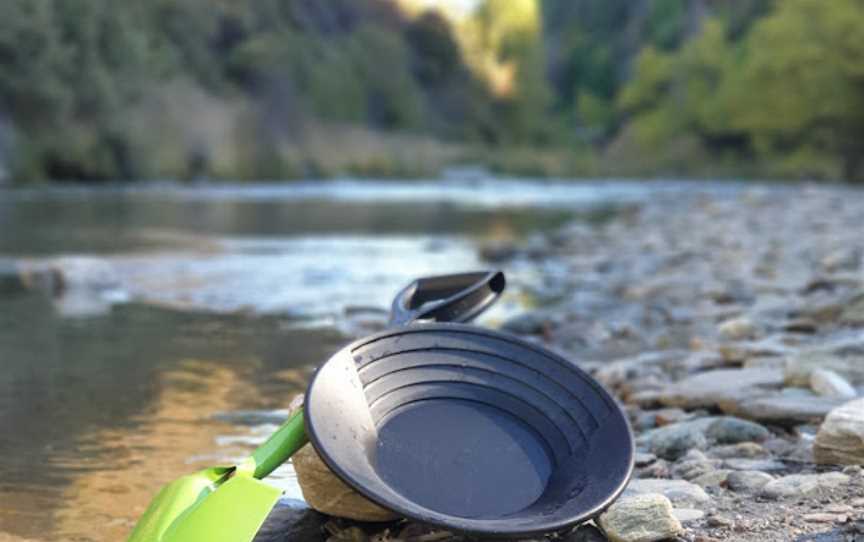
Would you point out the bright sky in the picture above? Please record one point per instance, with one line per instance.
(456, 7)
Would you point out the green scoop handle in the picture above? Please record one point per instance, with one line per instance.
(277, 449)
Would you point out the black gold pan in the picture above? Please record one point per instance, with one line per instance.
(446, 423)
(473, 430)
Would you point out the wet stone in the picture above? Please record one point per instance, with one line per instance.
(828, 383)
(640, 518)
(737, 329)
(745, 481)
(643, 459)
(711, 388)
(799, 367)
(853, 470)
(688, 515)
(742, 449)
(349, 534)
(585, 533)
(840, 439)
(730, 430)
(714, 520)
(694, 468)
(745, 464)
(801, 325)
(531, 323)
(797, 485)
(853, 312)
(714, 478)
(325, 492)
(673, 441)
(677, 491)
(824, 518)
(783, 409)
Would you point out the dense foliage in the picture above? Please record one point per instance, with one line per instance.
(786, 90)
(102, 89)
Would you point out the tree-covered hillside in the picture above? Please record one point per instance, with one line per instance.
(112, 89)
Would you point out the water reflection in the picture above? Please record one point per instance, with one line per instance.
(123, 221)
(97, 415)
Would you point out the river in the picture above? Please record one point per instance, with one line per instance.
(182, 319)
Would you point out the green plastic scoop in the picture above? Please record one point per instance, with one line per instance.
(221, 504)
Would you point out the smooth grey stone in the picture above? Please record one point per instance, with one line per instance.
(840, 439)
(677, 491)
(640, 518)
(798, 485)
(747, 481)
(748, 464)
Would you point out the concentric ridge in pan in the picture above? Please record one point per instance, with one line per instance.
(476, 431)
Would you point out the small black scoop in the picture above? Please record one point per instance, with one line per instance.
(447, 298)
(473, 430)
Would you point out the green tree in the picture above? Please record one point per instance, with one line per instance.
(687, 93)
(506, 45)
(69, 71)
(802, 91)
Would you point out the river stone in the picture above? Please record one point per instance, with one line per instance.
(765, 362)
(288, 522)
(764, 465)
(741, 351)
(842, 258)
(797, 485)
(325, 492)
(782, 409)
(695, 455)
(351, 533)
(731, 430)
(675, 440)
(535, 322)
(689, 470)
(677, 491)
(583, 533)
(640, 518)
(747, 481)
(799, 367)
(737, 329)
(620, 371)
(643, 459)
(796, 392)
(853, 312)
(714, 478)
(828, 383)
(710, 388)
(742, 449)
(687, 515)
(840, 439)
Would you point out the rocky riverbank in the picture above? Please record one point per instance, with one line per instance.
(732, 330)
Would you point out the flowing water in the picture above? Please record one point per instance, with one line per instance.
(163, 328)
